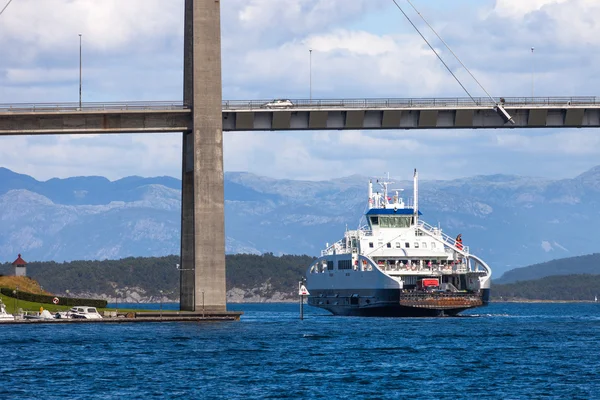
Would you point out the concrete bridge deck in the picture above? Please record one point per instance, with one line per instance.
(326, 114)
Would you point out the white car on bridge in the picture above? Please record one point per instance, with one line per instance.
(278, 103)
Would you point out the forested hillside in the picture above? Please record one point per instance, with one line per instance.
(588, 264)
(148, 275)
(569, 287)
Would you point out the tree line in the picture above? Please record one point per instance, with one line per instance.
(153, 274)
(249, 271)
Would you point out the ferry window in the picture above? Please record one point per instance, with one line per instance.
(407, 245)
(416, 245)
(424, 245)
(370, 244)
(330, 265)
(394, 222)
(433, 245)
(374, 220)
(389, 245)
(397, 245)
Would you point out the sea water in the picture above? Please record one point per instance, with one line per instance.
(503, 351)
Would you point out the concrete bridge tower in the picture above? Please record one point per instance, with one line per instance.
(203, 215)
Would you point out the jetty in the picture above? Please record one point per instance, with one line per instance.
(134, 317)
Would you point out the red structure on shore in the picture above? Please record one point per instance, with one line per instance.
(20, 266)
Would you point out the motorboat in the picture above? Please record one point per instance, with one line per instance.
(84, 312)
(4, 316)
(44, 314)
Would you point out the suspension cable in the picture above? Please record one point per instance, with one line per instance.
(5, 7)
(436, 53)
(449, 49)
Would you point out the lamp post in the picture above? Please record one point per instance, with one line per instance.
(16, 302)
(67, 292)
(310, 74)
(532, 71)
(161, 294)
(116, 302)
(80, 72)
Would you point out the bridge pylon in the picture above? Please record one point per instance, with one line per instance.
(203, 205)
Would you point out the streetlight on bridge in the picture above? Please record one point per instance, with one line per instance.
(532, 72)
(310, 74)
(80, 72)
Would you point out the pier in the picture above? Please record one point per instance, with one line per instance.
(137, 317)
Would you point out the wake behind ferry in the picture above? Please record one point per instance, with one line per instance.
(397, 266)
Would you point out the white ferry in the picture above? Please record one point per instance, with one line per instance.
(397, 266)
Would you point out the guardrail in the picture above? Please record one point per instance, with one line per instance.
(409, 103)
(375, 103)
(104, 106)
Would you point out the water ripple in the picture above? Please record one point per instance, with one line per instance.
(512, 351)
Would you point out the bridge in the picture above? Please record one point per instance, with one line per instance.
(328, 114)
(202, 116)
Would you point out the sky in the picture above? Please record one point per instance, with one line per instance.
(133, 50)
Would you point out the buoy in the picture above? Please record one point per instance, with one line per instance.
(55, 300)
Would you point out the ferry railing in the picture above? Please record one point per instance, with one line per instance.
(445, 238)
(339, 247)
(443, 269)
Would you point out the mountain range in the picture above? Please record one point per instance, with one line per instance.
(510, 221)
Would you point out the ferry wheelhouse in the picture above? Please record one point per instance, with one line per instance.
(397, 265)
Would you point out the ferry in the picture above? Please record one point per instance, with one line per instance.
(397, 265)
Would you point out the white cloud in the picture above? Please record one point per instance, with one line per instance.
(519, 8)
(133, 51)
(566, 142)
(107, 26)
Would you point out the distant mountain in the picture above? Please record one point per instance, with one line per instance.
(510, 221)
(588, 264)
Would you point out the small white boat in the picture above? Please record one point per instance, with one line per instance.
(84, 312)
(44, 314)
(4, 316)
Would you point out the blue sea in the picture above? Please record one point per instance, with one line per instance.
(503, 351)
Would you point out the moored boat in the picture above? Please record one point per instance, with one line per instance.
(84, 312)
(4, 316)
(397, 265)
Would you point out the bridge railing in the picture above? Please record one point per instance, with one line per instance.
(459, 102)
(361, 104)
(103, 106)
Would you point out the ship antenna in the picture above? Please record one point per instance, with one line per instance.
(371, 201)
(416, 195)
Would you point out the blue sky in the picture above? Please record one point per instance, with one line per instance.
(362, 48)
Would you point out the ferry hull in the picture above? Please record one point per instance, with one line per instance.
(394, 303)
